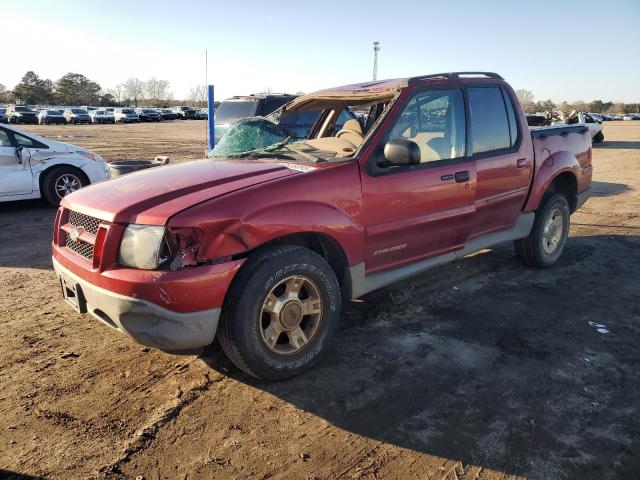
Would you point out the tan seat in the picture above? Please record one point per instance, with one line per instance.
(352, 132)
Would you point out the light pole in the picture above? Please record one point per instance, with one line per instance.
(376, 49)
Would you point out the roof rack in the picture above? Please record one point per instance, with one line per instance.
(454, 75)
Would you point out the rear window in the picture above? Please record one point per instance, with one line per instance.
(271, 104)
(53, 112)
(235, 110)
(489, 121)
(78, 110)
(127, 110)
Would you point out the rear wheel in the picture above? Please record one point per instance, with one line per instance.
(61, 181)
(547, 238)
(281, 313)
(599, 137)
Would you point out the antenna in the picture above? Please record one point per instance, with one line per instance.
(376, 49)
(206, 82)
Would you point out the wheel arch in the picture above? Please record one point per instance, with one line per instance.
(558, 173)
(42, 175)
(321, 243)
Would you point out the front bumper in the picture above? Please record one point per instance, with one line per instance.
(144, 321)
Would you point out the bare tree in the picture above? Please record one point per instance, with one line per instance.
(5, 95)
(117, 92)
(157, 91)
(134, 89)
(198, 96)
(526, 99)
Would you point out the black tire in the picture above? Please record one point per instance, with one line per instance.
(534, 251)
(599, 138)
(240, 332)
(49, 191)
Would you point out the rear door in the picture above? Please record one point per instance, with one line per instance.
(419, 211)
(504, 160)
(15, 178)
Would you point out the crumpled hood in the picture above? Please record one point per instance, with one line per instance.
(152, 196)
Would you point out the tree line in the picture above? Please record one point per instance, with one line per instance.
(529, 105)
(76, 89)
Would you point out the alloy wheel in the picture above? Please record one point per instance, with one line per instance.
(290, 315)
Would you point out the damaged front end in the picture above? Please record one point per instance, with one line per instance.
(154, 247)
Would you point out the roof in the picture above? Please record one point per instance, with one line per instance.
(374, 91)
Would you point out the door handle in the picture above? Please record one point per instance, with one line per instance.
(446, 177)
(462, 176)
(521, 163)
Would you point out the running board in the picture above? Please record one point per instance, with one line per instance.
(361, 284)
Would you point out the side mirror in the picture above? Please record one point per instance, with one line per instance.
(19, 154)
(400, 151)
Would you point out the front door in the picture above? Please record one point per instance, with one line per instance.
(419, 211)
(15, 178)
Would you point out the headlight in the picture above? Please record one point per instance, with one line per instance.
(141, 246)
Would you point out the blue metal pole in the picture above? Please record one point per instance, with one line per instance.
(211, 119)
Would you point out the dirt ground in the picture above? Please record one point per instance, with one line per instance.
(481, 369)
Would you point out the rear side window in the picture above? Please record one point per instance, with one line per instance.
(489, 121)
(513, 125)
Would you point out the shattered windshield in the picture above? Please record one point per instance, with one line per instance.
(250, 136)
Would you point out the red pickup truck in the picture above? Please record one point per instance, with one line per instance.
(263, 242)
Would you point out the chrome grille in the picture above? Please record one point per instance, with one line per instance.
(84, 249)
(89, 224)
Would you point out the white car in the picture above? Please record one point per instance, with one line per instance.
(33, 167)
(101, 116)
(595, 126)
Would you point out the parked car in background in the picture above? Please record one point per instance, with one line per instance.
(49, 116)
(185, 113)
(631, 116)
(583, 118)
(147, 114)
(167, 114)
(21, 114)
(261, 244)
(202, 114)
(3, 115)
(125, 115)
(32, 167)
(76, 116)
(101, 116)
(235, 108)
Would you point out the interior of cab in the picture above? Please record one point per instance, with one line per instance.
(338, 132)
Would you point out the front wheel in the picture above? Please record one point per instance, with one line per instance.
(544, 245)
(281, 313)
(60, 182)
(598, 138)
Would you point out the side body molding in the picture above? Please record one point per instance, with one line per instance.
(361, 284)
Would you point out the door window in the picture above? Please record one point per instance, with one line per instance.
(489, 122)
(435, 121)
(24, 141)
(4, 139)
